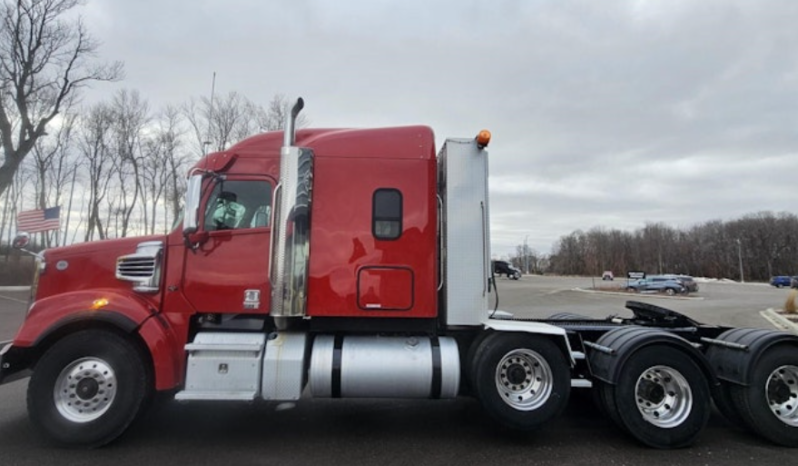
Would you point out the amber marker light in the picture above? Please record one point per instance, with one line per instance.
(483, 139)
(98, 304)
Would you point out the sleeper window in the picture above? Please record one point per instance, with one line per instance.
(387, 214)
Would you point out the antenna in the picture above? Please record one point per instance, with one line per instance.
(210, 117)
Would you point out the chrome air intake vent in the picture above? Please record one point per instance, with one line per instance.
(142, 267)
(135, 268)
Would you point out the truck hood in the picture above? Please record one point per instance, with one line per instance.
(86, 265)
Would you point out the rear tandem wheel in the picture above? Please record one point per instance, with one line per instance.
(769, 403)
(661, 398)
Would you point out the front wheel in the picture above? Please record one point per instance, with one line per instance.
(522, 381)
(661, 398)
(88, 388)
(670, 291)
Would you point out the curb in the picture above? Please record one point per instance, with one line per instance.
(14, 288)
(641, 295)
(779, 321)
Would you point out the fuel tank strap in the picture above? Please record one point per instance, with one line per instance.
(435, 391)
(338, 344)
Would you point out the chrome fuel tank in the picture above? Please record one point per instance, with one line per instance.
(384, 367)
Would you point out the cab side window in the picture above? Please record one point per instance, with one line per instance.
(238, 204)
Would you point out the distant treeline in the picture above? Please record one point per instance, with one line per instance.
(757, 245)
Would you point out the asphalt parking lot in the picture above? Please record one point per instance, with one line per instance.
(402, 432)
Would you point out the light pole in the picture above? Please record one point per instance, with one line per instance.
(526, 256)
(740, 257)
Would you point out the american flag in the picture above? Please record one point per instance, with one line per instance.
(34, 221)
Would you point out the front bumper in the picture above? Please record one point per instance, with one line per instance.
(14, 362)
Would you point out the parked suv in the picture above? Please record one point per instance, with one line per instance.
(686, 281)
(780, 281)
(505, 268)
(657, 284)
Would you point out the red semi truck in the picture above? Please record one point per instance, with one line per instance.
(356, 263)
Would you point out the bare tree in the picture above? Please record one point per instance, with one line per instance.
(273, 118)
(13, 197)
(10, 199)
(130, 114)
(53, 165)
(170, 136)
(763, 244)
(216, 122)
(219, 123)
(45, 59)
(98, 159)
(528, 259)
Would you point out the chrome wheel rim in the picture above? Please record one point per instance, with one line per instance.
(781, 390)
(663, 396)
(85, 389)
(524, 379)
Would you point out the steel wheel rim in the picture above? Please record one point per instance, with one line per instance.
(85, 390)
(781, 390)
(524, 379)
(663, 396)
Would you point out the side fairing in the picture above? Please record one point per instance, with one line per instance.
(463, 169)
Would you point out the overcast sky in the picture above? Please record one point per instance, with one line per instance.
(606, 113)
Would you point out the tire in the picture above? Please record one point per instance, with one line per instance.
(522, 381)
(516, 276)
(631, 290)
(721, 395)
(670, 291)
(470, 361)
(603, 399)
(661, 398)
(769, 403)
(112, 385)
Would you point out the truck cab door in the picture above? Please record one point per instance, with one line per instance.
(227, 272)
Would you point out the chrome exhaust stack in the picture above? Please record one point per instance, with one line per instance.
(288, 271)
(289, 134)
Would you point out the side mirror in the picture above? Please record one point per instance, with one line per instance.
(20, 241)
(193, 195)
(197, 238)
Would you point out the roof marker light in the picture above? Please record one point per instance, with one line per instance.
(483, 139)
